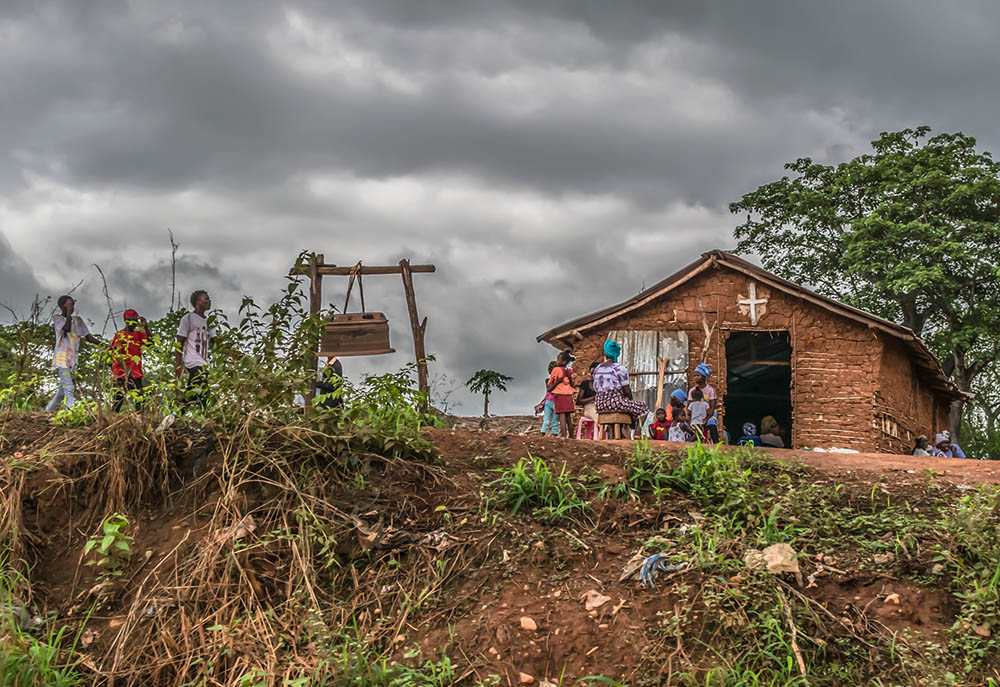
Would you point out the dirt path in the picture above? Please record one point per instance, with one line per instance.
(955, 470)
(843, 466)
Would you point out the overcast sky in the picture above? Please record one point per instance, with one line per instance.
(550, 157)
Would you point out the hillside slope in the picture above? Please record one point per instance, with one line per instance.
(287, 555)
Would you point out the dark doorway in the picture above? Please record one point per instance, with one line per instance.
(758, 381)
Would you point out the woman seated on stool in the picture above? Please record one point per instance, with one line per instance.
(614, 395)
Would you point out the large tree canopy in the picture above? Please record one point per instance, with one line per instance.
(909, 232)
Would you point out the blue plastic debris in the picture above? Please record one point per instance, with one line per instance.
(654, 564)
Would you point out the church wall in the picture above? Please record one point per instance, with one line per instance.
(905, 405)
(835, 360)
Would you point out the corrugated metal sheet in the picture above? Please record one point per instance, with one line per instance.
(640, 350)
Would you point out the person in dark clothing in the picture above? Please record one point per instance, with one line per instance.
(586, 396)
(750, 436)
(330, 386)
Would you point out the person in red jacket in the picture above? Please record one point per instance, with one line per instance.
(560, 385)
(126, 359)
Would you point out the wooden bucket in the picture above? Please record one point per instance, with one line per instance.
(361, 333)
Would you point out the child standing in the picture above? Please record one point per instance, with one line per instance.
(560, 385)
(548, 405)
(659, 429)
(699, 411)
(126, 353)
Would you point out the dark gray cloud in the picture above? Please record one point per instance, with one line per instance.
(551, 156)
(18, 285)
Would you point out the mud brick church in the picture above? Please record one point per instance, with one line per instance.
(833, 375)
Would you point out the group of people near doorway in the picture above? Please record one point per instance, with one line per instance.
(689, 416)
(194, 340)
(943, 446)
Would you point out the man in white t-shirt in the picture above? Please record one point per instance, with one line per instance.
(69, 330)
(195, 340)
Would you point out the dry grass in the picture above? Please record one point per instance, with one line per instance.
(278, 567)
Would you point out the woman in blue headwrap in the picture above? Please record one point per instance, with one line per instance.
(614, 395)
(701, 375)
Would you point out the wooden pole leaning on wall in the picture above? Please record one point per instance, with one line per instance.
(418, 329)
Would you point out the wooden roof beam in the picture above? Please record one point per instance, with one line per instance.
(333, 270)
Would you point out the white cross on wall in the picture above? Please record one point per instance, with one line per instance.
(752, 302)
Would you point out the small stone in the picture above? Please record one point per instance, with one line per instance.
(937, 568)
(546, 683)
(883, 558)
(892, 599)
(593, 599)
(983, 630)
(525, 678)
(400, 639)
(528, 624)
(557, 593)
(493, 650)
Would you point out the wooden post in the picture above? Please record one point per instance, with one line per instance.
(418, 330)
(661, 364)
(315, 305)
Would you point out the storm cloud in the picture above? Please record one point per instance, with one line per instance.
(549, 157)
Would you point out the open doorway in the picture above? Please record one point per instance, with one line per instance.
(758, 381)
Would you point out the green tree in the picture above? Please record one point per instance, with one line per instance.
(485, 381)
(909, 232)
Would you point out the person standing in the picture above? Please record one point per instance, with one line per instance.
(560, 385)
(195, 340)
(548, 408)
(69, 329)
(126, 359)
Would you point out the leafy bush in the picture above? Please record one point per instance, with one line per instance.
(81, 414)
(973, 558)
